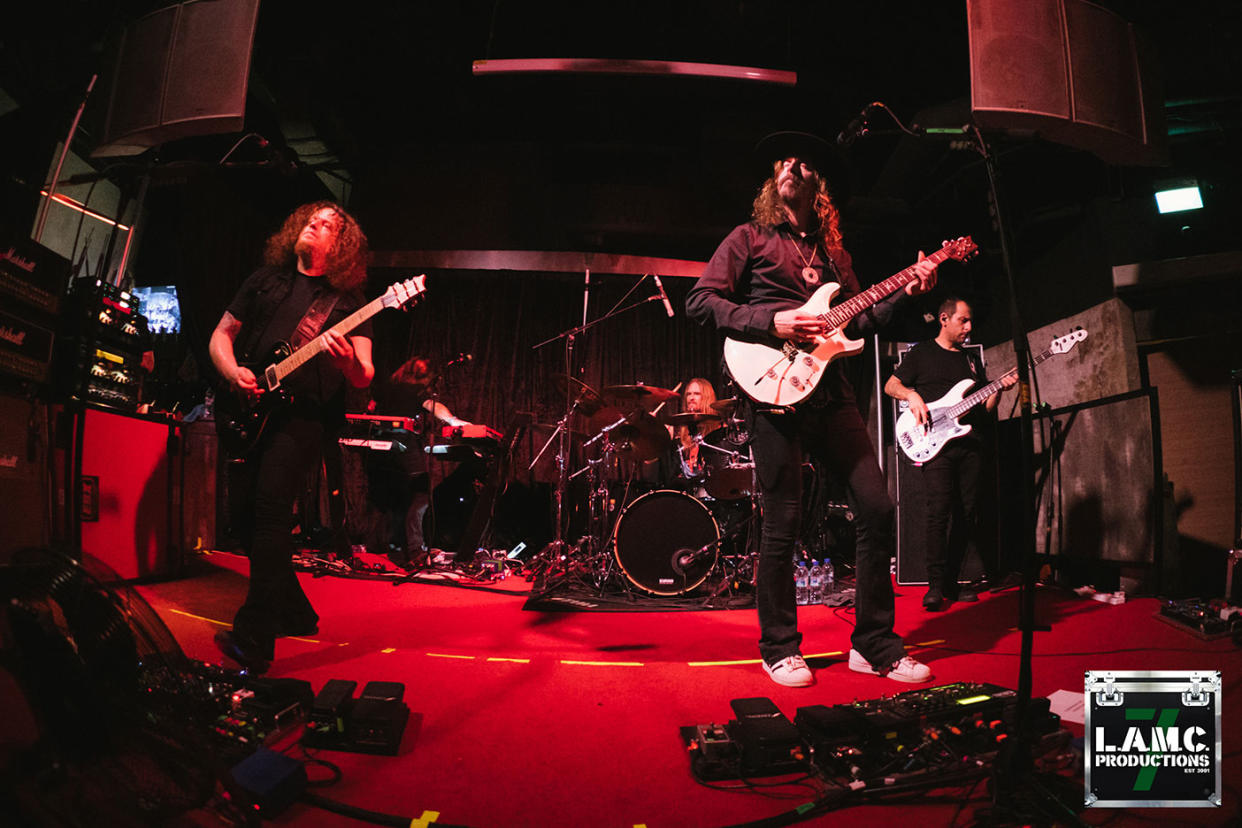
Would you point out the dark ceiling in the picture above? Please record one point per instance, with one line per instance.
(381, 95)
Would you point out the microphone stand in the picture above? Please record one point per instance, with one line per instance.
(1014, 770)
(557, 550)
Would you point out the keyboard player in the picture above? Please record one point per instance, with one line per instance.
(399, 481)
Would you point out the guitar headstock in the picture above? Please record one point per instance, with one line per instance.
(400, 293)
(1062, 344)
(960, 249)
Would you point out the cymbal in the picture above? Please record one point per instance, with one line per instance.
(725, 406)
(642, 394)
(575, 433)
(640, 437)
(687, 418)
(587, 399)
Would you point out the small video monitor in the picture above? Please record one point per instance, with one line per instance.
(161, 308)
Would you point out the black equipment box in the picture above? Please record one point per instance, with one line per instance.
(371, 723)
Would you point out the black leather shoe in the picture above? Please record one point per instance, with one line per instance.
(968, 593)
(933, 601)
(227, 643)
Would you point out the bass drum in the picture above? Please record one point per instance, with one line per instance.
(666, 542)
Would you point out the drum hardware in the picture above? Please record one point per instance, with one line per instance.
(725, 407)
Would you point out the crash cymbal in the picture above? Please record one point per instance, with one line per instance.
(725, 406)
(688, 418)
(575, 431)
(641, 394)
(587, 399)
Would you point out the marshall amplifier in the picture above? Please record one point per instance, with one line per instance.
(32, 274)
(25, 348)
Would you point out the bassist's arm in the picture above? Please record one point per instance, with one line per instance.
(898, 390)
(223, 357)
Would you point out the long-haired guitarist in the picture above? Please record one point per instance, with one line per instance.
(951, 478)
(315, 266)
(754, 288)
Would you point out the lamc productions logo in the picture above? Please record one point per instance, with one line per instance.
(1153, 738)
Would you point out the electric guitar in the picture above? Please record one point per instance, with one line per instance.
(785, 374)
(240, 421)
(923, 442)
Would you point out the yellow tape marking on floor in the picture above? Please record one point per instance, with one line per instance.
(446, 655)
(725, 663)
(200, 618)
(604, 663)
(930, 643)
(389, 650)
(426, 819)
(514, 660)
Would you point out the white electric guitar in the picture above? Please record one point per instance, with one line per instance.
(787, 373)
(923, 442)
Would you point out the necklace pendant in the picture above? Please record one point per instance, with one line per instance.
(811, 275)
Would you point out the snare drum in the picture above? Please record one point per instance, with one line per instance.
(666, 542)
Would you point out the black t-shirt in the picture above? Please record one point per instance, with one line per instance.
(932, 371)
(270, 304)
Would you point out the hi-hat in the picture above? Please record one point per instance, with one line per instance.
(725, 406)
(687, 418)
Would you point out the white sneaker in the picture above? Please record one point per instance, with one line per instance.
(907, 669)
(791, 672)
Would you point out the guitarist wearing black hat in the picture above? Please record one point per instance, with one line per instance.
(756, 288)
(315, 267)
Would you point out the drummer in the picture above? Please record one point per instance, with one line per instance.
(697, 397)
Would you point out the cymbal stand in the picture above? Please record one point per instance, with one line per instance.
(557, 550)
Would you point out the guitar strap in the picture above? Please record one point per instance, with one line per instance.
(313, 319)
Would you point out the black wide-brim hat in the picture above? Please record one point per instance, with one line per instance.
(825, 157)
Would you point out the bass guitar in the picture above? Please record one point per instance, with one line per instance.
(240, 422)
(923, 442)
(786, 373)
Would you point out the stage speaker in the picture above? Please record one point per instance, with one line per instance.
(911, 517)
(1071, 71)
(24, 476)
(130, 493)
(180, 71)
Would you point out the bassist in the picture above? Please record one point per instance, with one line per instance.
(951, 479)
(315, 268)
(753, 288)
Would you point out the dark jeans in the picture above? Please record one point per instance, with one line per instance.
(837, 441)
(950, 482)
(272, 479)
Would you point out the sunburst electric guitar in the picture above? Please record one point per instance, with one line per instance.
(785, 372)
(240, 422)
(923, 442)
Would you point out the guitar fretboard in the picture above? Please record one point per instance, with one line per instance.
(315, 347)
(991, 388)
(838, 316)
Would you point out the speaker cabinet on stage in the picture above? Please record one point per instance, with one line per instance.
(180, 71)
(24, 476)
(1072, 71)
(129, 492)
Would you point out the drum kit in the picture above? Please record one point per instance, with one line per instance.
(671, 498)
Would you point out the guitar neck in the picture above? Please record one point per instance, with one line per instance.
(841, 314)
(315, 347)
(991, 388)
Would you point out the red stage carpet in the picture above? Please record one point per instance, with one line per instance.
(572, 718)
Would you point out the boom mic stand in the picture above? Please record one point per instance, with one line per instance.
(557, 551)
(1014, 765)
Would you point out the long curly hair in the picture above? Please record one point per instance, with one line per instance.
(347, 263)
(768, 210)
(707, 396)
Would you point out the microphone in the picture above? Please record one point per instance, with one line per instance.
(459, 359)
(856, 128)
(668, 306)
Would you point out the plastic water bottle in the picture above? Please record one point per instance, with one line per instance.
(815, 584)
(800, 583)
(828, 580)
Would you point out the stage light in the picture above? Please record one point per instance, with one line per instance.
(1179, 199)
